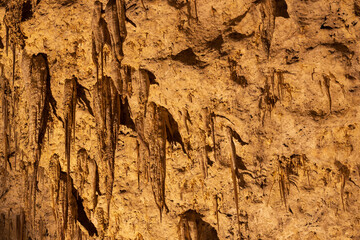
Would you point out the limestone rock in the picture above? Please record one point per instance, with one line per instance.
(235, 119)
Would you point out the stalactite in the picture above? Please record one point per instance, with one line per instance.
(115, 18)
(268, 100)
(157, 127)
(345, 176)
(2, 222)
(160, 150)
(76, 208)
(27, 193)
(13, 67)
(99, 216)
(217, 211)
(100, 37)
(172, 129)
(155, 135)
(139, 237)
(12, 20)
(5, 91)
(7, 40)
(141, 85)
(41, 229)
(16, 148)
(127, 82)
(204, 134)
(275, 89)
(143, 151)
(82, 170)
(120, 7)
(17, 226)
(196, 11)
(107, 109)
(143, 89)
(236, 73)
(186, 119)
(35, 73)
(212, 127)
(192, 11)
(204, 158)
(9, 230)
(138, 162)
(82, 98)
(69, 120)
(205, 115)
(237, 170)
(62, 225)
(233, 173)
(93, 179)
(287, 175)
(23, 232)
(280, 84)
(73, 213)
(79, 233)
(268, 10)
(122, 77)
(13, 127)
(73, 92)
(118, 74)
(327, 82)
(54, 174)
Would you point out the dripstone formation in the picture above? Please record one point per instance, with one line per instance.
(174, 119)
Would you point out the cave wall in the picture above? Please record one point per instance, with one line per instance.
(174, 119)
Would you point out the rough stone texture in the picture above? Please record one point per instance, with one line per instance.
(257, 96)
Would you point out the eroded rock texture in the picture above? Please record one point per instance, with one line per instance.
(174, 119)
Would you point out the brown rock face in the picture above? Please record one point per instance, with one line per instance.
(174, 119)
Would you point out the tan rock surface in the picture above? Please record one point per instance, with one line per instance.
(205, 97)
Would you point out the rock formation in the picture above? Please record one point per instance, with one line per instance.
(179, 119)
